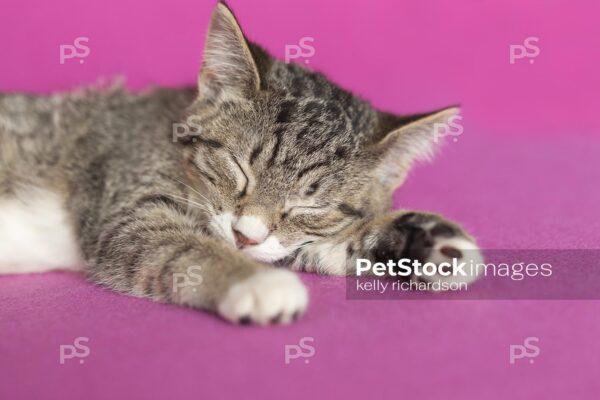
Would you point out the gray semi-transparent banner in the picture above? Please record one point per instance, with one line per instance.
(503, 275)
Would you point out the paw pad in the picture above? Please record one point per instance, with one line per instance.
(451, 252)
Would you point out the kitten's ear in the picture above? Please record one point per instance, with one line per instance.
(408, 139)
(228, 68)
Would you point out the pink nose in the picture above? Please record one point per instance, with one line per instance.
(249, 230)
(242, 240)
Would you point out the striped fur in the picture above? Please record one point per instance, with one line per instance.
(311, 167)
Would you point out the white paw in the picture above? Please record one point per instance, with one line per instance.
(268, 297)
(465, 251)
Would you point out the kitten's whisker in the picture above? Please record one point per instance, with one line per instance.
(189, 187)
(189, 202)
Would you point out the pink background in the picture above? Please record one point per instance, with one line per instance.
(524, 174)
(406, 55)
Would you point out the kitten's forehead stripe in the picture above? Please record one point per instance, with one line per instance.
(279, 132)
(246, 182)
(312, 167)
(255, 153)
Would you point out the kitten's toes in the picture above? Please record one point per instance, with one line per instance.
(429, 238)
(272, 296)
(461, 248)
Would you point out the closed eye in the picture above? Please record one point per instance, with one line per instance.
(307, 210)
(323, 224)
(244, 190)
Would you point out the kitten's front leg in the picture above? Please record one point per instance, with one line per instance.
(402, 234)
(154, 250)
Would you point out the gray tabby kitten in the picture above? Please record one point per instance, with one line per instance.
(184, 195)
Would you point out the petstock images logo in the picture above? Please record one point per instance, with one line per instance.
(500, 275)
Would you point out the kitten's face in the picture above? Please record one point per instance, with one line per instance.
(279, 172)
(281, 156)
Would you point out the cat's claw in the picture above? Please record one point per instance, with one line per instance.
(272, 296)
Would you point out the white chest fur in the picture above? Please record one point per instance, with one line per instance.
(35, 235)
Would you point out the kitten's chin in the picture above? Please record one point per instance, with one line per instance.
(268, 251)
